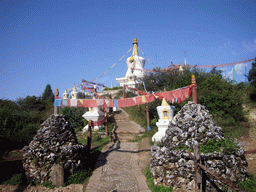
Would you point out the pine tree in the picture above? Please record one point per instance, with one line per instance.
(252, 74)
(48, 94)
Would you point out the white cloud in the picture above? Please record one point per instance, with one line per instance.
(223, 69)
(240, 70)
(231, 48)
(230, 74)
(249, 46)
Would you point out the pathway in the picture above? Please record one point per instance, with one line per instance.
(249, 142)
(118, 167)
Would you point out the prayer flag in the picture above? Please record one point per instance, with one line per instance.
(57, 102)
(65, 102)
(115, 103)
(73, 102)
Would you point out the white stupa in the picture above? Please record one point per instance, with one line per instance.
(135, 61)
(165, 113)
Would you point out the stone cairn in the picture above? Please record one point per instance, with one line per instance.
(171, 164)
(54, 143)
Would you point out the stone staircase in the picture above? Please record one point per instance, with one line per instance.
(126, 129)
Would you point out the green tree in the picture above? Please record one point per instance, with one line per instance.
(48, 94)
(216, 72)
(252, 74)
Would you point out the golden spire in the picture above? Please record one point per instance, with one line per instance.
(164, 102)
(135, 47)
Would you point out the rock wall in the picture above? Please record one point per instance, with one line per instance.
(171, 165)
(55, 142)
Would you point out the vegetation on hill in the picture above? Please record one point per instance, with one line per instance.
(220, 96)
(20, 119)
(48, 94)
(113, 88)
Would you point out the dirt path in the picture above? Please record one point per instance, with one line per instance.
(249, 143)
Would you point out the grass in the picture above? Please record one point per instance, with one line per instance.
(151, 184)
(227, 145)
(14, 180)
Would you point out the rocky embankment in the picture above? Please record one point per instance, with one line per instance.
(171, 164)
(54, 143)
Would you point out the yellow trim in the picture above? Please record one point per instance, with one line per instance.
(164, 103)
(91, 109)
(167, 114)
(135, 47)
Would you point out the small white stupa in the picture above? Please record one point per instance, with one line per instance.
(135, 61)
(94, 114)
(65, 94)
(74, 93)
(165, 113)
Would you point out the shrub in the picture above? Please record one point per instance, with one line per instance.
(74, 114)
(227, 145)
(79, 177)
(114, 88)
(249, 185)
(14, 180)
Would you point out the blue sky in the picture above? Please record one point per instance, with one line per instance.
(61, 42)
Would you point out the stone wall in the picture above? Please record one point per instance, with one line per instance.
(171, 165)
(54, 143)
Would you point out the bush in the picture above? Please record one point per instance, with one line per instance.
(74, 114)
(14, 180)
(249, 185)
(221, 98)
(227, 145)
(79, 177)
(114, 88)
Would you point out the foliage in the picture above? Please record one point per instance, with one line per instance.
(31, 103)
(221, 99)
(128, 94)
(81, 95)
(249, 185)
(74, 114)
(14, 180)
(252, 74)
(79, 177)
(153, 121)
(48, 94)
(218, 95)
(227, 145)
(48, 184)
(114, 88)
(19, 121)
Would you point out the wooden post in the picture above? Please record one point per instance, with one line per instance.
(194, 94)
(56, 108)
(203, 176)
(89, 137)
(106, 115)
(147, 109)
(123, 92)
(198, 172)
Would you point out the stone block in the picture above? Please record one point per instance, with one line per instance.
(57, 175)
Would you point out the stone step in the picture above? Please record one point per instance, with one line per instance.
(122, 119)
(127, 136)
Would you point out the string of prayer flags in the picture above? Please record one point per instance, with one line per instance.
(57, 102)
(173, 96)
